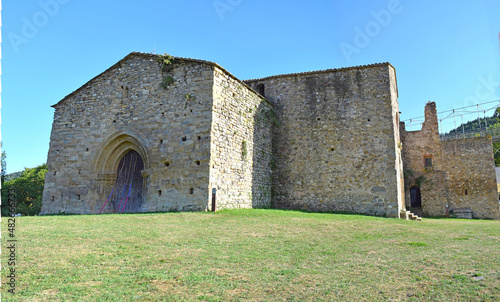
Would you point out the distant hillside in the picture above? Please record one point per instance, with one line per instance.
(12, 176)
(475, 124)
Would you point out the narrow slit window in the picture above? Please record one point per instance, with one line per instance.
(125, 91)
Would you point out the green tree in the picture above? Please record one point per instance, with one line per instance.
(4, 207)
(4, 166)
(496, 146)
(29, 190)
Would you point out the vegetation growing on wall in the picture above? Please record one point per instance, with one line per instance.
(189, 98)
(166, 62)
(418, 181)
(272, 116)
(167, 81)
(166, 66)
(244, 151)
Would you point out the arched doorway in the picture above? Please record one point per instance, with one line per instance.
(415, 197)
(127, 196)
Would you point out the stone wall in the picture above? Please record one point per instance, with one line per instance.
(337, 144)
(321, 141)
(472, 178)
(461, 176)
(418, 145)
(241, 145)
(126, 108)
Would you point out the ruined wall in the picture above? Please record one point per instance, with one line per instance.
(418, 145)
(472, 179)
(457, 166)
(336, 147)
(124, 109)
(241, 145)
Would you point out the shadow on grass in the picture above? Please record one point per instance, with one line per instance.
(235, 212)
(288, 212)
(263, 212)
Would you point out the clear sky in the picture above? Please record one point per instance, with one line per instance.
(443, 51)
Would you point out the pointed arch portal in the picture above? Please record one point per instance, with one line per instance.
(121, 165)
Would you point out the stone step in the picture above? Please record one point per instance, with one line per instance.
(407, 215)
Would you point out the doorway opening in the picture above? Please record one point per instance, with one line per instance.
(129, 184)
(415, 197)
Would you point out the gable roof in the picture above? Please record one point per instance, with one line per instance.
(149, 55)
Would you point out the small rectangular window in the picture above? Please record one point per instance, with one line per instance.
(428, 161)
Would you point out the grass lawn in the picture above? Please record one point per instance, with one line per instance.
(252, 255)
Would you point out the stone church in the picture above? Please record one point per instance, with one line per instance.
(156, 133)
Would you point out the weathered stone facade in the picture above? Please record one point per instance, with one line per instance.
(189, 136)
(241, 140)
(336, 147)
(193, 136)
(454, 177)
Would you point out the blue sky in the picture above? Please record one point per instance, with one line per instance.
(443, 51)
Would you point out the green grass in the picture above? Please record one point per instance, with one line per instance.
(253, 255)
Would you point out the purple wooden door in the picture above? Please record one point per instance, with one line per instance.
(128, 187)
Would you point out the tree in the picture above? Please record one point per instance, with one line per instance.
(4, 166)
(5, 210)
(29, 190)
(496, 146)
